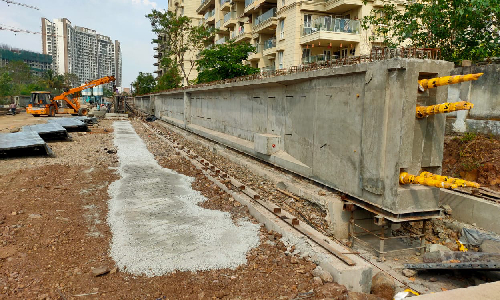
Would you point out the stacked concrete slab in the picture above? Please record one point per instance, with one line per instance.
(352, 128)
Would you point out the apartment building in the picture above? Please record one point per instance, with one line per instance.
(39, 63)
(183, 8)
(291, 32)
(81, 51)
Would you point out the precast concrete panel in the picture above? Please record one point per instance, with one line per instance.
(350, 127)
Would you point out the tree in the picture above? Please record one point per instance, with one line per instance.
(144, 83)
(462, 29)
(181, 40)
(224, 61)
(171, 78)
(5, 84)
(71, 80)
(53, 81)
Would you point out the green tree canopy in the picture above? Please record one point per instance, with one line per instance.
(224, 61)
(144, 84)
(462, 29)
(179, 40)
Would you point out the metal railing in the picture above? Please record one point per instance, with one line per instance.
(270, 43)
(331, 25)
(248, 2)
(220, 41)
(230, 15)
(265, 16)
(223, 1)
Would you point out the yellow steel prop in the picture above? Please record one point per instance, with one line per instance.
(429, 179)
(425, 84)
(457, 181)
(424, 111)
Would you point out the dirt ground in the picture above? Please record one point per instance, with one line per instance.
(473, 157)
(54, 233)
(9, 123)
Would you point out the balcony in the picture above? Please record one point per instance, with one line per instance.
(220, 41)
(270, 47)
(230, 19)
(326, 29)
(240, 34)
(217, 25)
(210, 16)
(268, 69)
(341, 6)
(252, 6)
(204, 5)
(266, 22)
(156, 64)
(318, 59)
(257, 55)
(225, 5)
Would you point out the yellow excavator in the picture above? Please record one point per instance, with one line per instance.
(42, 103)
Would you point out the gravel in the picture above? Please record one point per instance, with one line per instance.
(156, 223)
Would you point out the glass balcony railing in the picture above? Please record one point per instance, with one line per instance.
(265, 16)
(317, 58)
(332, 25)
(248, 2)
(237, 32)
(223, 1)
(217, 25)
(270, 43)
(268, 69)
(220, 41)
(230, 15)
(209, 14)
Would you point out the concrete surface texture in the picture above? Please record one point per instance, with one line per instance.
(352, 128)
(484, 93)
(487, 291)
(156, 223)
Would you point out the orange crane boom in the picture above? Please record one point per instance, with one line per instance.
(88, 85)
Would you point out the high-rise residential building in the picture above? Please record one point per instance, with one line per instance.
(81, 51)
(291, 32)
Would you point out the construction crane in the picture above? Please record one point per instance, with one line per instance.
(42, 103)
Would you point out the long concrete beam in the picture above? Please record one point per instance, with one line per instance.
(352, 128)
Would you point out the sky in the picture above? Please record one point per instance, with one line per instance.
(122, 20)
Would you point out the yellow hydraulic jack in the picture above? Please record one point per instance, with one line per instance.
(429, 179)
(424, 111)
(425, 84)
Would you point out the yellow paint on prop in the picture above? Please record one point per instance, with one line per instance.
(446, 80)
(424, 111)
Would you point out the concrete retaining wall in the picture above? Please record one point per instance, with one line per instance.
(352, 128)
(484, 93)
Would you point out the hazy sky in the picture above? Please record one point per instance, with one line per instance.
(121, 20)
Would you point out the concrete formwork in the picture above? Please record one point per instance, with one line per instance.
(352, 128)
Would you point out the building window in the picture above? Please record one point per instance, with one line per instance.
(282, 2)
(280, 60)
(282, 28)
(307, 21)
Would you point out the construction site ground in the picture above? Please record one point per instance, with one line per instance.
(55, 237)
